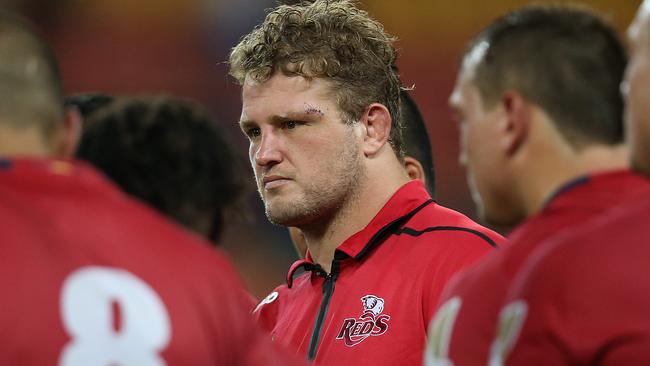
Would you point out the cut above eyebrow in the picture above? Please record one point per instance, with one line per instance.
(314, 110)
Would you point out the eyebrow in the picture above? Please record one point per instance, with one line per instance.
(309, 111)
(246, 124)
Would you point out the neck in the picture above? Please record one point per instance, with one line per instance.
(323, 238)
(550, 174)
(26, 141)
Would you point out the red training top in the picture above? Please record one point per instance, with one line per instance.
(465, 324)
(90, 277)
(583, 299)
(375, 305)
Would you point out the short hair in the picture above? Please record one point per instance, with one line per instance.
(416, 139)
(31, 86)
(330, 39)
(169, 153)
(88, 103)
(566, 59)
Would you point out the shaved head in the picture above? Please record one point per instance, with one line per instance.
(31, 89)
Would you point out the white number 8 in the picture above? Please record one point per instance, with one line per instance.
(88, 299)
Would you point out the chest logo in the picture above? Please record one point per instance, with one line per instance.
(371, 322)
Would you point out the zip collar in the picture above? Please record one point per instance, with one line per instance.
(399, 209)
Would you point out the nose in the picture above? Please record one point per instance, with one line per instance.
(268, 151)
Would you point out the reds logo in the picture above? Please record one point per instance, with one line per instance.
(370, 323)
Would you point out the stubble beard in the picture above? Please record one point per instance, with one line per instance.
(322, 201)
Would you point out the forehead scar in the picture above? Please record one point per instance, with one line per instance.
(310, 109)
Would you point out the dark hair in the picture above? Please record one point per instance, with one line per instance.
(31, 91)
(88, 103)
(330, 39)
(416, 139)
(566, 59)
(170, 153)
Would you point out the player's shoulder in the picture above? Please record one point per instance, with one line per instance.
(440, 221)
(592, 249)
(476, 278)
(604, 235)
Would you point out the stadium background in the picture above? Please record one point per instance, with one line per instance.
(180, 47)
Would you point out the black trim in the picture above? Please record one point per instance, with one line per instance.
(413, 232)
(330, 281)
(389, 229)
(328, 291)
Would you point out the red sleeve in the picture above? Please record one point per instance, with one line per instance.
(247, 343)
(266, 312)
(463, 250)
(579, 300)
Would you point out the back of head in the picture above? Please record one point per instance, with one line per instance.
(31, 88)
(565, 59)
(88, 103)
(330, 39)
(416, 139)
(170, 153)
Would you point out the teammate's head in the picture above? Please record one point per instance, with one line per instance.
(88, 103)
(557, 65)
(418, 158)
(637, 88)
(320, 105)
(31, 91)
(168, 152)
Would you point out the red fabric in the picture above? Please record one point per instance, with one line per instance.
(406, 272)
(59, 221)
(483, 288)
(588, 294)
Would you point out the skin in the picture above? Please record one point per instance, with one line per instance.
(314, 171)
(31, 142)
(514, 155)
(637, 91)
(414, 170)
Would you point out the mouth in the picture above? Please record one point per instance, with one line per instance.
(274, 181)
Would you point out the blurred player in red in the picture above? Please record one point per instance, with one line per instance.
(89, 276)
(540, 114)
(583, 299)
(168, 152)
(320, 108)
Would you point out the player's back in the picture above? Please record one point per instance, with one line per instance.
(584, 298)
(91, 277)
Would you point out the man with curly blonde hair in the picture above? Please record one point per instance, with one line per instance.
(320, 108)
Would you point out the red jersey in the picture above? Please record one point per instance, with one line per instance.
(583, 299)
(90, 277)
(374, 306)
(465, 325)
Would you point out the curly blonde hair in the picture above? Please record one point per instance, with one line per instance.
(331, 39)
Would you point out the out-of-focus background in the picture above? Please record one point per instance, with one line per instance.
(180, 47)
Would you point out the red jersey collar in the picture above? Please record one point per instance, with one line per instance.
(409, 197)
(624, 179)
(404, 203)
(48, 166)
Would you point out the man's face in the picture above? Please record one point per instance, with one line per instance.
(637, 89)
(479, 148)
(307, 161)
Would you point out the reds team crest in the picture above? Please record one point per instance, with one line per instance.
(370, 323)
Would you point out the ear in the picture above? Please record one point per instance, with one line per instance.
(516, 124)
(414, 169)
(70, 134)
(377, 123)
